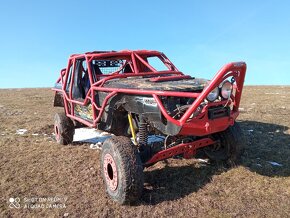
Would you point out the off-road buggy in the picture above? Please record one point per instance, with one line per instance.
(135, 94)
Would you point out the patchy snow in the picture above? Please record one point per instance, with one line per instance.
(272, 93)
(97, 137)
(21, 131)
(96, 146)
(287, 131)
(273, 163)
(90, 135)
(202, 160)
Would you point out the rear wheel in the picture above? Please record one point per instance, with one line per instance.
(63, 129)
(229, 147)
(122, 170)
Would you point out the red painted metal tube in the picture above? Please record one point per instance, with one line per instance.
(168, 78)
(241, 67)
(118, 76)
(145, 63)
(119, 54)
(237, 70)
(219, 77)
(187, 149)
(148, 92)
(104, 105)
(164, 111)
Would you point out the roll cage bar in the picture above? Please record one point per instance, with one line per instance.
(235, 70)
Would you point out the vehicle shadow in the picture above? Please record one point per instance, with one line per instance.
(266, 153)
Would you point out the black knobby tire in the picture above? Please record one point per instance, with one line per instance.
(230, 146)
(122, 170)
(63, 128)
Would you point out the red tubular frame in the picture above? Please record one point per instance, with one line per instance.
(195, 126)
(187, 149)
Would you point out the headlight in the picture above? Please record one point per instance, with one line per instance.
(226, 89)
(212, 96)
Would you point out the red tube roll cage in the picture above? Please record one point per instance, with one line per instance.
(236, 70)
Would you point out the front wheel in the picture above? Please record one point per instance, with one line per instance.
(122, 170)
(229, 147)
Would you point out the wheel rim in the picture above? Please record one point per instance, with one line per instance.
(57, 133)
(110, 171)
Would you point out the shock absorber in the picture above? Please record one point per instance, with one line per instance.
(130, 118)
(143, 133)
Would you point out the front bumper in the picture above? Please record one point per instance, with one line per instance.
(206, 126)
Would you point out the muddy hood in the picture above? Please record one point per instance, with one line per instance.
(192, 84)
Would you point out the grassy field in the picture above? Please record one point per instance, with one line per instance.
(67, 178)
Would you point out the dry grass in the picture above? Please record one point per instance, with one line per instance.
(35, 166)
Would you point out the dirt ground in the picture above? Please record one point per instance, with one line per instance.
(54, 181)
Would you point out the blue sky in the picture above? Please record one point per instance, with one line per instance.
(37, 37)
